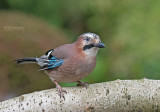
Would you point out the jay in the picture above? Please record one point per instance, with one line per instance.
(69, 62)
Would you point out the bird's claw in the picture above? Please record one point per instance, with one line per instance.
(61, 92)
(84, 84)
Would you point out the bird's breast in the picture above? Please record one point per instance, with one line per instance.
(73, 69)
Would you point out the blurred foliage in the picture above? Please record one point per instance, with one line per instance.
(129, 28)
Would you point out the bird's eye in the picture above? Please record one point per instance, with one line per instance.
(87, 39)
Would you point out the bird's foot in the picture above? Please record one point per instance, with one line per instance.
(84, 84)
(61, 92)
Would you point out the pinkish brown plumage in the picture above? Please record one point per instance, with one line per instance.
(70, 62)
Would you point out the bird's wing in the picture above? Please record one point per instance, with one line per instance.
(55, 57)
(48, 61)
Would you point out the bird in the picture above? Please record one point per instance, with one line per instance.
(69, 62)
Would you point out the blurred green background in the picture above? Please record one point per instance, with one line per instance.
(129, 28)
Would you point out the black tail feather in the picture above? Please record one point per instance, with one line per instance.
(26, 60)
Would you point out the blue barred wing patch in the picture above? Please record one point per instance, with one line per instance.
(52, 63)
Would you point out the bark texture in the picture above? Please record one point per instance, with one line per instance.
(115, 96)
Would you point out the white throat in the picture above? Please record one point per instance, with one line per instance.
(91, 52)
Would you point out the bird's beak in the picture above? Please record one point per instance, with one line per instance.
(100, 45)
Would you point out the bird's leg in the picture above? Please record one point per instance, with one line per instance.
(60, 90)
(80, 83)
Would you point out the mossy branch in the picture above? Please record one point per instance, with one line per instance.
(115, 96)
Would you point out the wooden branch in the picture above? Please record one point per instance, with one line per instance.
(115, 96)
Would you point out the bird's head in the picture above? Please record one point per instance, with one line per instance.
(89, 43)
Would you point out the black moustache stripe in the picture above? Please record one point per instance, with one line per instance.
(88, 47)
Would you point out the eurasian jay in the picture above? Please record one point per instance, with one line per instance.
(69, 62)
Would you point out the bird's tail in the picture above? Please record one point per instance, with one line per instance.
(26, 60)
